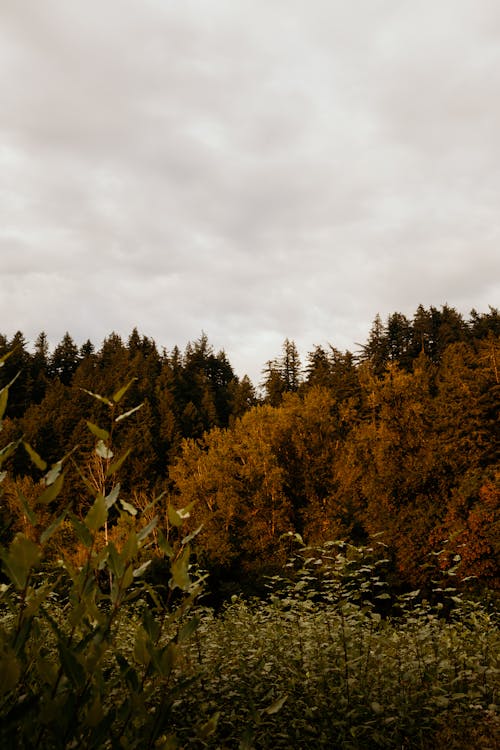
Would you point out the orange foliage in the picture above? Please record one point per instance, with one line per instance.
(473, 528)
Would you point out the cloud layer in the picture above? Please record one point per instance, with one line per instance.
(257, 170)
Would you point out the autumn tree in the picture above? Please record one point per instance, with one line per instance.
(234, 482)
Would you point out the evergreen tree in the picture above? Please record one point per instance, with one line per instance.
(376, 350)
(291, 367)
(17, 368)
(398, 335)
(39, 368)
(282, 375)
(242, 397)
(482, 325)
(87, 350)
(64, 360)
(422, 333)
(318, 368)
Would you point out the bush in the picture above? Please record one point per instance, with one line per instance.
(89, 653)
(318, 666)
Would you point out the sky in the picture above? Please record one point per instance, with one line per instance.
(254, 170)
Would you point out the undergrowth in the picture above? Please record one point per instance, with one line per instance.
(318, 666)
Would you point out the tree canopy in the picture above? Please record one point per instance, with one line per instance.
(398, 442)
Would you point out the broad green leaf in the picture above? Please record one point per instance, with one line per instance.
(113, 496)
(54, 472)
(129, 550)
(144, 532)
(276, 706)
(127, 578)
(153, 594)
(98, 431)
(81, 530)
(192, 535)
(97, 515)
(69, 453)
(50, 530)
(188, 629)
(174, 517)
(128, 413)
(140, 570)
(103, 399)
(164, 544)
(128, 507)
(168, 659)
(8, 450)
(117, 397)
(209, 727)
(36, 598)
(116, 465)
(28, 512)
(103, 451)
(6, 356)
(115, 561)
(180, 570)
(141, 653)
(177, 517)
(51, 492)
(20, 558)
(37, 460)
(4, 399)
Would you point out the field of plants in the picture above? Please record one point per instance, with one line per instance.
(319, 663)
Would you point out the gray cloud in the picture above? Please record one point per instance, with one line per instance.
(256, 170)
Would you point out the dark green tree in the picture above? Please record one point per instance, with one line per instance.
(39, 368)
(64, 360)
(376, 349)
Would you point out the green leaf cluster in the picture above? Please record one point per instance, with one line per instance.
(70, 676)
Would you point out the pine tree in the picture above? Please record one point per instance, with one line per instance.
(376, 350)
(39, 368)
(64, 360)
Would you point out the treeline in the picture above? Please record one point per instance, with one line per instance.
(398, 443)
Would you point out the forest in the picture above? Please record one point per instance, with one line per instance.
(365, 485)
(401, 440)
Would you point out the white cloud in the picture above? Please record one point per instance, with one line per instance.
(257, 170)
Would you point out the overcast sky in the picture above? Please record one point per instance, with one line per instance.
(254, 170)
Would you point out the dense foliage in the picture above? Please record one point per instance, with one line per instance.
(105, 641)
(318, 666)
(402, 438)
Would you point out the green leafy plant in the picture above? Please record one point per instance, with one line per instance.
(90, 655)
(317, 665)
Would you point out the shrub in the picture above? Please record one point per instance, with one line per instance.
(89, 653)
